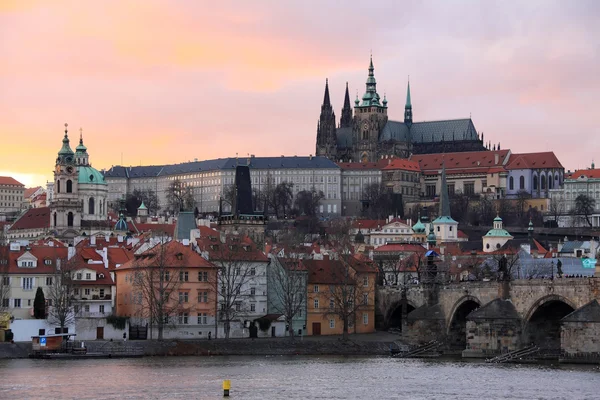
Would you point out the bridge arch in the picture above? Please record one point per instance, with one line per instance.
(542, 321)
(393, 316)
(456, 331)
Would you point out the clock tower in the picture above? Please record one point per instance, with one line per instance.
(370, 116)
(65, 208)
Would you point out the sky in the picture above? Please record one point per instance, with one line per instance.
(156, 82)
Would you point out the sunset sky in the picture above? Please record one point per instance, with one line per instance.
(154, 82)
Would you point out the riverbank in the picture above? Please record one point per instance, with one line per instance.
(359, 344)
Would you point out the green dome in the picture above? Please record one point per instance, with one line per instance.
(90, 175)
(497, 232)
(419, 227)
(498, 219)
(142, 206)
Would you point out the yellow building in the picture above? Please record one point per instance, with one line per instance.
(340, 291)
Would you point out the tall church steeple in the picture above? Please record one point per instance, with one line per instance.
(346, 118)
(326, 137)
(408, 108)
(370, 116)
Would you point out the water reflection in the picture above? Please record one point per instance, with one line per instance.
(291, 378)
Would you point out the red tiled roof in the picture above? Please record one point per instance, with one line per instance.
(545, 159)
(42, 253)
(462, 235)
(188, 259)
(240, 248)
(8, 180)
(118, 256)
(461, 161)
(359, 165)
(585, 173)
(328, 271)
(401, 247)
(403, 164)
(30, 191)
(34, 218)
(168, 229)
(368, 223)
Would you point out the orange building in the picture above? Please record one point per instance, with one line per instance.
(339, 288)
(187, 282)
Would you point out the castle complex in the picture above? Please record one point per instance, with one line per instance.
(368, 135)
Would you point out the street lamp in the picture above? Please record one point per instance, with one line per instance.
(552, 266)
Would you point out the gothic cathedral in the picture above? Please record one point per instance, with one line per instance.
(369, 135)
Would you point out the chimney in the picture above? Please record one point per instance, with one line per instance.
(120, 239)
(92, 240)
(185, 242)
(496, 158)
(70, 252)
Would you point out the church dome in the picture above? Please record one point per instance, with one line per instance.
(419, 227)
(121, 224)
(90, 175)
(359, 237)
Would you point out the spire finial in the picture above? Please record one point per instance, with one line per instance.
(66, 129)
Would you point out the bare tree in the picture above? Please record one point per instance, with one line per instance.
(180, 197)
(460, 206)
(485, 210)
(157, 276)
(307, 201)
(556, 208)
(282, 197)
(287, 280)
(377, 200)
(521, 206)
(584, 206)
(236, 267)
(60, 294)
(4, 276)
(348, 294)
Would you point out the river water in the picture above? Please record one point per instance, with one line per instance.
(296, 377)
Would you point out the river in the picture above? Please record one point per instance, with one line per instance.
(287, 378)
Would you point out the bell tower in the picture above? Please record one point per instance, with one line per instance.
(370, 116)
(65, 208)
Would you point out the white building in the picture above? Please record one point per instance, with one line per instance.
(210, 179)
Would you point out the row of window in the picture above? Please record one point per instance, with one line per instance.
(365, 318)
(184, 318)
(365, 302)
(27, 283)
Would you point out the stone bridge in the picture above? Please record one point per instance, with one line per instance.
(469, 315)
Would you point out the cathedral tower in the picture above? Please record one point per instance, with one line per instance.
(370, 116)
(326, 138)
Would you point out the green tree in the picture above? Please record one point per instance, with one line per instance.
(39, 304)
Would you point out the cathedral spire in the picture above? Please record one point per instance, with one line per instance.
(326, 101)
(371, 97)
(408, 107)
(346, 118)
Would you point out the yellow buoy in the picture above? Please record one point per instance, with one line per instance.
(226, 387)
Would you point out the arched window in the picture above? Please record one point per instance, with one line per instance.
(511, 183)
(57, 186)
(522, 183)
(69, 186)
(550, 183)
(70, 219)
(54, 219)
(535, 182)
(543, 182)
(91, 206)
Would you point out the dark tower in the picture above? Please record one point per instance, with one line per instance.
(326, 138)
(346, 119)
(408, 108)
(370, 116)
